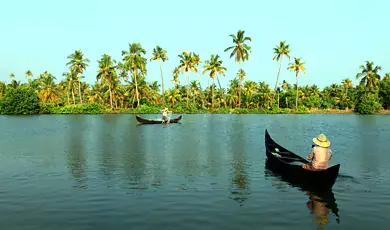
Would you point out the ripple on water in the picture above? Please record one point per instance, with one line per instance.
(100, 173)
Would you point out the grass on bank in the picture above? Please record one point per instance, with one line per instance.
(96, 108)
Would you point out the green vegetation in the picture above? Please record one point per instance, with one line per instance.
(121, 87)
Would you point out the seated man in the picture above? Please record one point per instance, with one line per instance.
(165, 114)
(320, 154)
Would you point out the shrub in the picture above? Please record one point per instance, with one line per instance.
(368, 104)
(20, 101)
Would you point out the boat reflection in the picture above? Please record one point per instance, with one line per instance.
(320, 203)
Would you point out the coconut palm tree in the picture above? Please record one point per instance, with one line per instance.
(186, 65)
(78, 64)
(297, 66)
(28, 73)
(386, 77)
(175, 73)
(70, 79)
(369, 75)
(160, 54)
(281, 50)
(134, 62)
(48, 89)
(107, 73)
(196, 63)
(214, 66)
(347, 83)
(240, 52)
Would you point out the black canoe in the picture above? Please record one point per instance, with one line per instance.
(156, 121)
(282, 161)
(325, 198)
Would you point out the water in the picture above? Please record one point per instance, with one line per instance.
(106, 172)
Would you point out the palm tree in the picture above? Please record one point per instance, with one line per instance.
(70, 79)
(296, 67)
(134, 61)
(107, 73)
(187, 64)
(78, 64)
(347, 83)
(28, 73)
(175, 73)
(240, 51)
(280, 51)
(386, 77)
(12, 75)
(160, 54)
(241, 76)
(48, 90)
(369, 75)
(196, 62)
(214, 66)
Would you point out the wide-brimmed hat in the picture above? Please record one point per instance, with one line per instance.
(322, 141)
(166, 109)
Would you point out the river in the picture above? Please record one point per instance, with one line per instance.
(106, 172)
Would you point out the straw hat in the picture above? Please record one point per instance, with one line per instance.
(166, 109)
(322, 141)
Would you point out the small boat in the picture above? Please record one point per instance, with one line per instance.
(326, 198)
(157, 121)
(285, 162)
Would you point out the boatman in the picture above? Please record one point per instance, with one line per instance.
(165, 114)
(320, 154)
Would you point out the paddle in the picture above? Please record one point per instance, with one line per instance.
(287, 158)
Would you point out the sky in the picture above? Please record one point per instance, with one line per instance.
(332, 37)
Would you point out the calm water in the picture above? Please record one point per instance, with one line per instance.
(106, 172)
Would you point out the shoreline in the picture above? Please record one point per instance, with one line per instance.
(244, 112)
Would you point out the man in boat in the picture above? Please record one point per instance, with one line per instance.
(320, 154)
(165, 114)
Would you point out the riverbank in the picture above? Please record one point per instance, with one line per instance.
(99, 109)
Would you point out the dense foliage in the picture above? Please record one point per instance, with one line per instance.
(122, 87)
(18, 101)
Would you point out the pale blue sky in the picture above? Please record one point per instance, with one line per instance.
(333, 37)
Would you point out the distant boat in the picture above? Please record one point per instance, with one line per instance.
(284, 162)
(157, 121)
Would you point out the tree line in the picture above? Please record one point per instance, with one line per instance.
(122, 84)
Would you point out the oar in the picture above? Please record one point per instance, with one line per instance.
(289, 158)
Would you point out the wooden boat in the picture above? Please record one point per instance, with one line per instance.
(284, 162)
(157, 121)
(324, 198)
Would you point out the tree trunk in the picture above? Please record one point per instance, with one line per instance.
(81, 98)
(296, 98)
(240, 88)
(201, 92)
(74, 101)
(162, 83)
(212, 97)
(109, 88)
(223, 94)
(188, 88)
(277, 80)
(278, 100)
(136, 86)
(67, 95)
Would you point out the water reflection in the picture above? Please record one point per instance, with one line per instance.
(320, 204)
(240, 190)
(76, 159)
(134, 161)
(105, 142)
